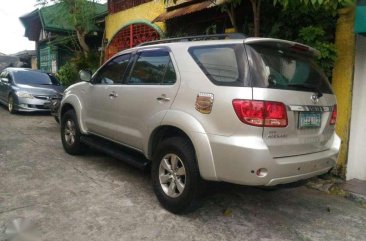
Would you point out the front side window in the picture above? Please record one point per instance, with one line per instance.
(222, 64)
(113, 71)
(152, 68)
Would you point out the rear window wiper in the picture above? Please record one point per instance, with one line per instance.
(307, 86)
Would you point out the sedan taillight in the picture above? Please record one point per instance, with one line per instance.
(261, 113)
(333, 118)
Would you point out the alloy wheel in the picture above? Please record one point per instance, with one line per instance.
(70, 132)
(172, 175)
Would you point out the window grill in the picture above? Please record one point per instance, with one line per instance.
(131, 36)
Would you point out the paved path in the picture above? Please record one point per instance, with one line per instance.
(95, 197)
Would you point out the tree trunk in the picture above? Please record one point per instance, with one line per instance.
(256, 7)
(81, 38)
(230, 10)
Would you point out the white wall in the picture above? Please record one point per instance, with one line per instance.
(356, 167)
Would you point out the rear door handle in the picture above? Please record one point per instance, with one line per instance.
(113, 94)
(163, 98)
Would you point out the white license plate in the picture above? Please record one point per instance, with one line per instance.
(309, 120)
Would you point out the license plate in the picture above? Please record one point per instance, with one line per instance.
(309, 120)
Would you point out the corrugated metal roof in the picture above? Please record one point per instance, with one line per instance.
(184, 10)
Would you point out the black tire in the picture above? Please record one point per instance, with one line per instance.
(76, 147)
(187, 200)
(11, 108)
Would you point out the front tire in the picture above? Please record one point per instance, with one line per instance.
(11, 101)
(70, 134)
(175, 175)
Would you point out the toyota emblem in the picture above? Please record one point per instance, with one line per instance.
(314, 98)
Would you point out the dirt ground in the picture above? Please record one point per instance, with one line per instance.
(95, 197)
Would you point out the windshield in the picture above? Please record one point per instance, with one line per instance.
(286, 69)
(34, 78)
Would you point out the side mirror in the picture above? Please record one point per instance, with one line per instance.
(85, 75)
(5, 80)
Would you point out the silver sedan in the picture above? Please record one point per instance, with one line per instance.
(28, 90)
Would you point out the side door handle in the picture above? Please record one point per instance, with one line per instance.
(113, 94)
(163, 98)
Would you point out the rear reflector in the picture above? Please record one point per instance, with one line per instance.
(261, 113)
(333, 118)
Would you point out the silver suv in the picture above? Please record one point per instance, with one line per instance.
(250, 111)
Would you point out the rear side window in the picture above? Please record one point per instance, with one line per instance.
(222, 64)
(286, 69)
(153, 68)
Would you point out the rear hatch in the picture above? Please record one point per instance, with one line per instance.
(285, 72)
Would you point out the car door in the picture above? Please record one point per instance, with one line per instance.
(101, 98)
(2, 86)
(148, 92)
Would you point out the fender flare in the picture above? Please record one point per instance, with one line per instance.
(195, 131)
(74, 101)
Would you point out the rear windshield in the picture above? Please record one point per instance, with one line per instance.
(34, 78)
(288, 70)
(222, 64)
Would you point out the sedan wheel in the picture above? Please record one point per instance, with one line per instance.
(11, 104)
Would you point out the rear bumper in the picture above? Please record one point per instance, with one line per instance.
(237, 160)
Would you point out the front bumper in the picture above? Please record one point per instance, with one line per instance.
(237, 160)
(32, 105)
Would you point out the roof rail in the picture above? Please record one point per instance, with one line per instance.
(196, 38)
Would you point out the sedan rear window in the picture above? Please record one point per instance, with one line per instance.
(222, 64)
(286, 69)
(34, 78)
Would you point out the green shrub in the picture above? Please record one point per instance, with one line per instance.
(316, 38)
(68, 74)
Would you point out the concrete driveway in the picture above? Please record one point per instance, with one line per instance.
(95, 197)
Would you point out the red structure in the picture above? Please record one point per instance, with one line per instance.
(131, 36)
(114, 6)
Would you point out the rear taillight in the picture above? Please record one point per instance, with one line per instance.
(333, 118)
(261, 113)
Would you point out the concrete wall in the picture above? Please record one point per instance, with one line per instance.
(343, 79)
(356, 167)
(145, 13)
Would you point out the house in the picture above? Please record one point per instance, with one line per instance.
(349, 85)
(28, 58)
(130, 22)
(55, 37)
(356, 163)
(196, 18)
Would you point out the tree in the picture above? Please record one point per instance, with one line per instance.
(229, 7)
(79, 13)
(328, 4)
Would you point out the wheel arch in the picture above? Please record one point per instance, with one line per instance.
(190, 128)
(72, 102)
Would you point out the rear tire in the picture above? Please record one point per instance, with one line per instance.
(11, 108)
(175, 175)
(70, 134)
